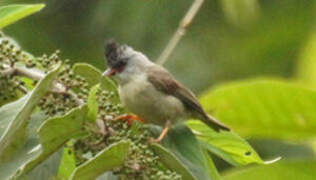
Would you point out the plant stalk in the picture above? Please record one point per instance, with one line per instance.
(183, 25)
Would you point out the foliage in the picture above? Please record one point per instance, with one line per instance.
(187, 158)
(114, 154)
(48, 109)
(265, 108)
(16, 149)
(282, 170)
(306, 68)
(10, 14)
(226, 145)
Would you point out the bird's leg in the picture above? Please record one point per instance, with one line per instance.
(162, 134)
(130, 118)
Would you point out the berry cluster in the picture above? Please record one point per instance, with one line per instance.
(12, 56)
(47, 62)
(57, 104)
(9, 87)
(142, 163)
(10, 53)
(106, 106)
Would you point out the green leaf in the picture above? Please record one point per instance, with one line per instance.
(264, 108)
(111, 157)
(37, 150)
(226, 145)
(289, 170)
(94, 76)
(57, 131)
(307, 64)
(213, 173)
(67, 165)
(172, 162)
(45, 170)
(89, 72)
(14, 116)
(15, 133)
(182, 153)
(93, 104)
(12, 13)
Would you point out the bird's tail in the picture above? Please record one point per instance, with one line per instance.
(214, 123)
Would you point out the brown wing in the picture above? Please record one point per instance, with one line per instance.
(165, 82)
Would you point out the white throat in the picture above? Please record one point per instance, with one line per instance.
(134, 69)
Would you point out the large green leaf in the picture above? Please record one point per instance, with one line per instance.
(289, 170)
(45, 170)
(29, 151)
(12, 13)
(109, 158)
(307, 64)
(264, 108)
(227, 145)
(56, 132)
(182, 153)
(53, 135)
(14, 116)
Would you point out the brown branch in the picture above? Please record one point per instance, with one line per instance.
(36, 74)
(184, 24)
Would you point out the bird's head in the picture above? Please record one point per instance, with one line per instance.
(124, 62)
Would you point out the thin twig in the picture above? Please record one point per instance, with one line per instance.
(30, 73)
(8, 72)
(21, 88)
(184, 24)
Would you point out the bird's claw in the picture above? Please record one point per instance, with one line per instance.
(161, 136)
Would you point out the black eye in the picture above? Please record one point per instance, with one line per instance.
(120, 64)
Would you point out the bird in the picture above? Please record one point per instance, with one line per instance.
(151, 93)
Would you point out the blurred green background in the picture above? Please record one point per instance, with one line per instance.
(228, 40)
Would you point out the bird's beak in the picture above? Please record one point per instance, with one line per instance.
(109, 72)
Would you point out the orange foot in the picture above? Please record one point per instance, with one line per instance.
(130, 118)
(162, 134)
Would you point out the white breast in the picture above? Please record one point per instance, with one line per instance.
(141, 98)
